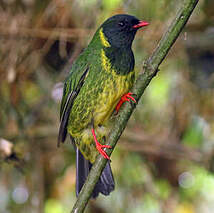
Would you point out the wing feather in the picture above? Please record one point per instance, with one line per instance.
(67, 104)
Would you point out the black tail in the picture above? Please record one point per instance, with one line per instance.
(105, 183)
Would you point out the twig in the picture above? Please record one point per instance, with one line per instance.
(25, 32)
(167, 150)
(150, 69)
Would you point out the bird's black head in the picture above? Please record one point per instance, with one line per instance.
(120, 29)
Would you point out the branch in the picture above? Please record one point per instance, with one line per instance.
(164, 149)
(150, 69)
(26, 32)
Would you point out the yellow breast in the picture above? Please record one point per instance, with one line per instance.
(115, 86)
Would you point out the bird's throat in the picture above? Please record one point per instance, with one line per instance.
(121, 59)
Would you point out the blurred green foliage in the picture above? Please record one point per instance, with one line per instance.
(193, 135)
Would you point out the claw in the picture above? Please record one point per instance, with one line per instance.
(127, 97)
(100, 146)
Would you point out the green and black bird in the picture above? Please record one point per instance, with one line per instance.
(98, 83)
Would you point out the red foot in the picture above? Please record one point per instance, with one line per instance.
(127, 97)
(100, 146)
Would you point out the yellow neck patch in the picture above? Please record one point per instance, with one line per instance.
(103, 39)
(105, 61)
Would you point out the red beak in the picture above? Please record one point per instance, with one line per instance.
(140, 24)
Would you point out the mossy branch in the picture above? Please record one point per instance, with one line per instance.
(150, 69)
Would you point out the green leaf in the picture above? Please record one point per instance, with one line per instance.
(53, 206)
(194, 134)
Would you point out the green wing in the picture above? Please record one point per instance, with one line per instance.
(72, 87)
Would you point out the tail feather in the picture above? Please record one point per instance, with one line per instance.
(105, 183)
(82, 170)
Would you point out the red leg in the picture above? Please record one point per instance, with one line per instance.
(127, 97)
(100, 146)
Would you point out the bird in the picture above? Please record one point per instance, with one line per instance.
(97, 85)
